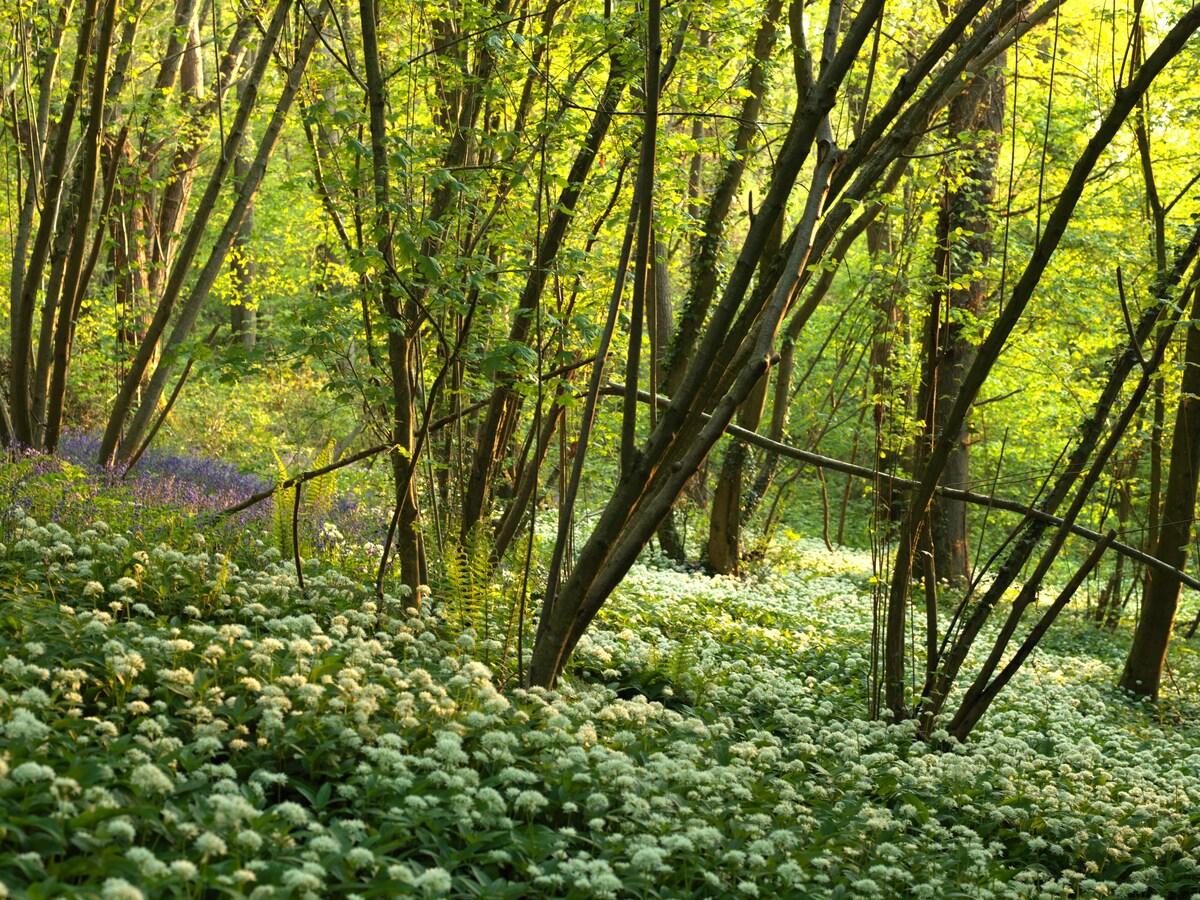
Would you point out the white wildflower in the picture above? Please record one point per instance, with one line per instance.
(120, 889)
(433, 882)
(152, 779)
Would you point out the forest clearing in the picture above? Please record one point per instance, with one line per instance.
(599, 449)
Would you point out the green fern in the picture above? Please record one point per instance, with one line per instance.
(469, 582)
(474, 600)
(319, 491)
(281, 519)
(317, 499)
(673, 678)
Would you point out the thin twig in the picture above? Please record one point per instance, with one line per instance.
(296, 537)
(1134, 343)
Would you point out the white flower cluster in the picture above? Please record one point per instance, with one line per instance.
(220, 732)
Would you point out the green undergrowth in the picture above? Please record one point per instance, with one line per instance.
(174, 724)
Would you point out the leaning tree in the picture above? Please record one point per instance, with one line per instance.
(737, 345)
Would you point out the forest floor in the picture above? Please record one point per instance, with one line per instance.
(179, 718)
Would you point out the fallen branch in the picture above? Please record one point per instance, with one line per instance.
(300, 479)
(334, 466)
(837, 465)
(373, 451)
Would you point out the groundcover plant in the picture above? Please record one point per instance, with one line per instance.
(174, 724)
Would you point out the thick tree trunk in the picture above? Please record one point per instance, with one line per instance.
(1148, 653)
(964, 247)
(724, 524)
(731, 505)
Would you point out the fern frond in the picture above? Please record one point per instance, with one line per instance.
(322, 488)
(281, 504)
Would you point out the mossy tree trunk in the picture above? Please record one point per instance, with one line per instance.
(961, 255)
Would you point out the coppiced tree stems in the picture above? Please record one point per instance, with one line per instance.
(117, 442)
(30, 283)
(75, 277)
(504, 400)
(894, 637)
(672, 452)
(200, 289)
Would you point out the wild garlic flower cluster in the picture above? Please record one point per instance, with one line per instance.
(172, 725)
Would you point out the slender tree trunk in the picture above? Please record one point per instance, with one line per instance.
(401, 332)
(243, 314)
(706, 255)
(1158, 220)
(883, 388)
(498, 421)
(1108, 606)
(669, 538)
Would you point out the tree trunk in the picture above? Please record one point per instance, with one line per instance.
(1148, 654)
(24, 377)
(706, 255)
(401, 331)
(964, 248)
(724, 525)
(883, 388)
(731, 505)
(243, 313)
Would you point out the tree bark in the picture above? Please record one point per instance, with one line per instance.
(1148, 653)
(402, 324)
(963, 249)
(724, 524)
